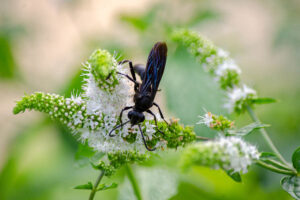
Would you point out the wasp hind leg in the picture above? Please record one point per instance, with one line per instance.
(149, 149)
(155, 120)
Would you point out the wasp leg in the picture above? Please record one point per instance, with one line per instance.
(136, 85)
(149, 149)
(116, 127)
(121, 113)
(155, 120)
(160, 113)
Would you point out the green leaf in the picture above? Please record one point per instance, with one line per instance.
(264, 100)
(291, 184)
(247, 129)
(296, 159)
(234, 175)
(267, 155)
(84, 150)
(272, 159)
(88, 186)
(275, 163)
(106, 187)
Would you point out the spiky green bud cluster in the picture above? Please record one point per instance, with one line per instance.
(118, 159)
(103, 67)
(216, 122)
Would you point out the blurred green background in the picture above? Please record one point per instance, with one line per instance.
(42, 44)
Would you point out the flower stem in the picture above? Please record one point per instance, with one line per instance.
(94, 190)
(274, 169)
(266, 136)
(202, 138)
(133, 182)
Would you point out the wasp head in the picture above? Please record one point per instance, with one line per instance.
(136, 117)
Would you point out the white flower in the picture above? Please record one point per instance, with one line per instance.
(237, 96)
(206, 119)
(222, 53)
(227, 65)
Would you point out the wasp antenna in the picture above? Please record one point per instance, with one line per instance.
(120, 125)
(149, 149)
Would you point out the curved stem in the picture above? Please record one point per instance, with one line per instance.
(274, 169)
(94, 190)
(266, 136)
(202, 138)
(133, 182)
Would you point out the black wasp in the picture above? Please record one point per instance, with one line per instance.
(145, 92)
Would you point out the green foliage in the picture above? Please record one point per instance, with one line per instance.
(102, 187)
(117, 160)
(263, 100)
(236, 176)
(247, 129)
(229, 79)
(296, 159)
(88, 186)
(291, 184)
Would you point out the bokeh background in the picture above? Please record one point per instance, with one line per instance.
(42, 44)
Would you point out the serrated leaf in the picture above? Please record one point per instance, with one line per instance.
(234, 175)
(247, 129)
(88, 186)
(106, 187)
(264, 100)
(296, 159)
(291, 184)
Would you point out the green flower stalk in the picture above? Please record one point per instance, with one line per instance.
(96, 111)
(218, 63)
(227, 153)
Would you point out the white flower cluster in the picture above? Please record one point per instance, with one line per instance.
(207, 119)
(238, 96)
(95, 112)
(227, 153)
(104, 108)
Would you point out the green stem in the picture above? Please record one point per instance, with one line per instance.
(133, 182)
(202, 138)
(266, 136)
(94, 190)
(274, 169)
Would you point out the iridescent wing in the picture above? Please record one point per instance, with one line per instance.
(154, 69)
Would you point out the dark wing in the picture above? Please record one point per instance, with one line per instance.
(140, 70)
(154, 68)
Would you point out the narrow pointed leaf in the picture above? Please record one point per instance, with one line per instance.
(247, 129)
(264, 100)
(88, 186)
(106, 187)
